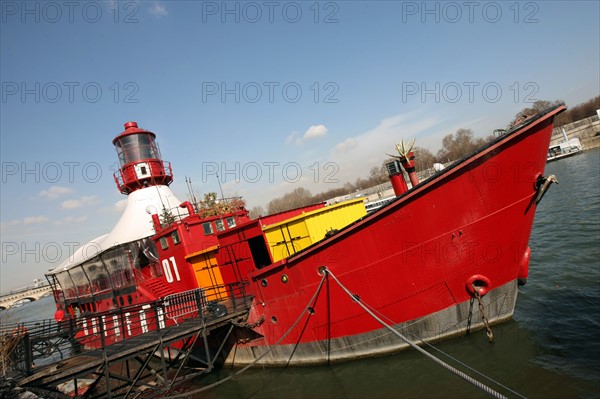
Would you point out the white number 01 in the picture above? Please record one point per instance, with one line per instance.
(167, 269)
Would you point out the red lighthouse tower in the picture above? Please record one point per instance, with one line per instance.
(139, 157)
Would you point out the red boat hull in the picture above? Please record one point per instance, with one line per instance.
(412, 262)
(420, 263)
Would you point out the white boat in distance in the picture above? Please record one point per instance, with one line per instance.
(564, 149)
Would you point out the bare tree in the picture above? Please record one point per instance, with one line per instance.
(378, 175)
(294, 199)
(458, 145)
(536, 108)
(578, 112)
(423, 158)
(331, 193)
(257, 211)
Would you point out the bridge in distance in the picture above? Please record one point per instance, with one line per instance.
(30, 294)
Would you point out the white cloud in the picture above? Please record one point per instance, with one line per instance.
(11, 223)
(14, 227)
(35, 220)
(158, 10)
(354, 156)
(293, 137)
(313, 132)
(55, 192)
(345, 145)
(115, 207)
(71, 220)
(78, 203)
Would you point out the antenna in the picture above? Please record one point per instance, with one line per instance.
(188, 182)
(220, 188)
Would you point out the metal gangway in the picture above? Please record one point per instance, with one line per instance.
(55, 359)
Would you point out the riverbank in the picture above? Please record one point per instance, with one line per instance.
(587, 130)
(592, 142)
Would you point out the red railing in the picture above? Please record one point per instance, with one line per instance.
(127, 179)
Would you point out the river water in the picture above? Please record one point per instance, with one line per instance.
(551, 348)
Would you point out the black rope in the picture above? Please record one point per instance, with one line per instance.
(308, 305)
(415, 346)
(282, 370)
(448, 355)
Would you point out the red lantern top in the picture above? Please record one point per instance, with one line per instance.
(140, 161)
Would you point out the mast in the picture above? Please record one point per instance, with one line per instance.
(564, 134)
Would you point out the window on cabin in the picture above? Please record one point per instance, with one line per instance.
(81, 281)
(230, 222)
(175, 237)
(97, 275)
(208, 230)
(119, 262)
(220, 225)
(163, 243)
(67, 285)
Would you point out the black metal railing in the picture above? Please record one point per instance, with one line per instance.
(46, 341)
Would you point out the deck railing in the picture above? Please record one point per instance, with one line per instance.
(46, 341)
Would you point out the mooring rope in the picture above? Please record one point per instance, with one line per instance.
(450, 356)
(412, 344)
(308, 305)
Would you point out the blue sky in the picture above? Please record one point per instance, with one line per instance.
(273, 95)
